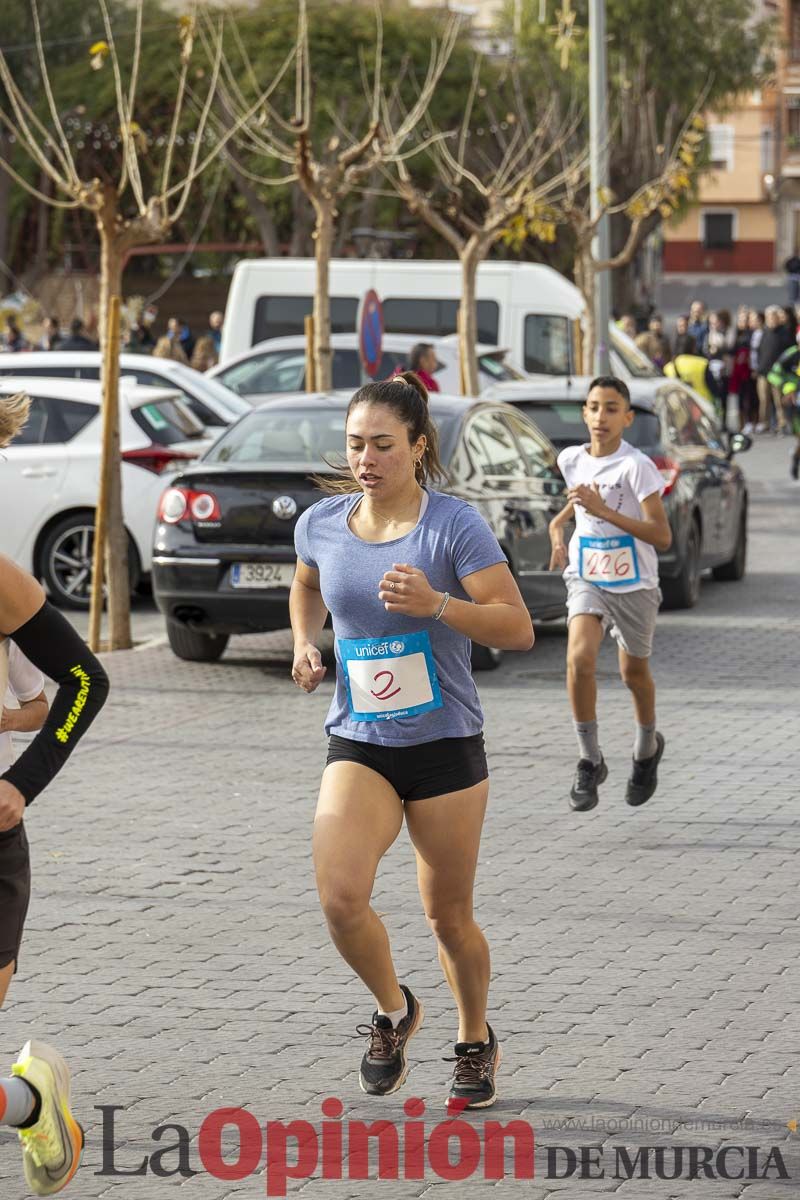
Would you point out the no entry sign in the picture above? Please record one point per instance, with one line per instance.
(370, 332)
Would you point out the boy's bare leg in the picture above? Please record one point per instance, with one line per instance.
(6, 975)
(636, 676)
(585, 635)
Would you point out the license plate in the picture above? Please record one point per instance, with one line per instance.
(262, 575)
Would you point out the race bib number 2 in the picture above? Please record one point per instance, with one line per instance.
(391, 677)
(609, 562)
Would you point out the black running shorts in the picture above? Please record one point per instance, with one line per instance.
(421, 771)
(15, 891)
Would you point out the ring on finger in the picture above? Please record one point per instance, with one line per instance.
(391, 586)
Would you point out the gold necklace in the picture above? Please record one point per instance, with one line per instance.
(389, 520)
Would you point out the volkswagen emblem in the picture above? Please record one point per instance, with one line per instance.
(284, 508)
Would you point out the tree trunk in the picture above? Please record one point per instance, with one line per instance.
(302, 223)
(585, 280)
(117, 573)
(470, 256)
(323, 249)
(6, 151)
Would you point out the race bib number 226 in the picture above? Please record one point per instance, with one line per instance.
(609, 562)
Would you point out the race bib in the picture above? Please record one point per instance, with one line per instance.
(391, 677)
(608, 562)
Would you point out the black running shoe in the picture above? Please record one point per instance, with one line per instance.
(644, 776)
(588, 777)
(477, 1063)
(384, 1066)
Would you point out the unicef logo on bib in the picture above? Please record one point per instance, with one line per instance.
(389, 679)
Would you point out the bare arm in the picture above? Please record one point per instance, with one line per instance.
(653, 529)
(21, 596)
(30, 716)
(558, 553)
(307, 614)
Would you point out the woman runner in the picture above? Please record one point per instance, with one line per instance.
(409, 576)
(36, 1098)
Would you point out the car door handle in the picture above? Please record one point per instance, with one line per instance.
(37, 472)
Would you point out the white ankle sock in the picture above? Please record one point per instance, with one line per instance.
(397, 1016)
(17, 1101)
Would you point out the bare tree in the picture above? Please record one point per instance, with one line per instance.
(659, 196)
(134, 189)
(329, 173)
(486, 173)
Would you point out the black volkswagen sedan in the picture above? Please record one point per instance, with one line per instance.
(706, 492)
(224, 556)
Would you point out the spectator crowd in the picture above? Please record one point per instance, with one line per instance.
(744, 367)
(178, 342)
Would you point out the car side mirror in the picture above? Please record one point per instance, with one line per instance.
(740, 442)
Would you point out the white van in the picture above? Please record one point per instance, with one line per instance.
(527, 308)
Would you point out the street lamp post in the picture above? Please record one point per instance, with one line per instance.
(598, 169)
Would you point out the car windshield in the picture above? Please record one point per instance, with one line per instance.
(296, 437)
(562, 423)
(167, 421)
(214, 390)
(496, 366)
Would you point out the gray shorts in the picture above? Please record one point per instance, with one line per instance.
(631, 616)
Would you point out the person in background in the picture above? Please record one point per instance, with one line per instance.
(140, 340)
(684, 342)
(167, 347)
(51, 335)
(653, 343)
(698, 326)
(215, 321)
(179, 332)
(792, 269)
(205, 354)
(14, 340)
(718, 351)
(740, 382)
(776, 339)
(77, 339)
(693, 370)
(423, 362)
(627, 324)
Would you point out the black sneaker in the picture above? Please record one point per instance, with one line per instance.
(644, 776)
(588, 777)
(794, 469)
(477, 1063)
(384, 1066)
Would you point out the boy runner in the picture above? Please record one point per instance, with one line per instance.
(611, 573)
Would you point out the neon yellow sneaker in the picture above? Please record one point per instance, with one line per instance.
(51, 1149)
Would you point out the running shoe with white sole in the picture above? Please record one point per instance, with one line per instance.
(51, 1149)
(644, 776)
(384, 1066)
(477, 1064)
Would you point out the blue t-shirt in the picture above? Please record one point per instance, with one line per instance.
(450, 541)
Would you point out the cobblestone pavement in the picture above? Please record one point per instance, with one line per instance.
(645, 963)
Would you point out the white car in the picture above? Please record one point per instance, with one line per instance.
(210, 402)
(279, 364)
(49, 477)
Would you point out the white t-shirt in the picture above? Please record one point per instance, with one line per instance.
(600, 552)
(23, 682)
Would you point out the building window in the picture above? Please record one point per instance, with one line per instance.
(721, 147)
(794, 31)
(793, 123)
(767, 152)
(718, 230)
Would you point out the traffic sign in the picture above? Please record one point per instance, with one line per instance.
(370, 332)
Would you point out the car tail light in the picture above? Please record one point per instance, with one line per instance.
(156, 458)
(179, 503)
(670, 471)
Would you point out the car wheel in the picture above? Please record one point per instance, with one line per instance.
(485, 658)
(65, 563)
(684, 590)
(192, 646)
(735, 569)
